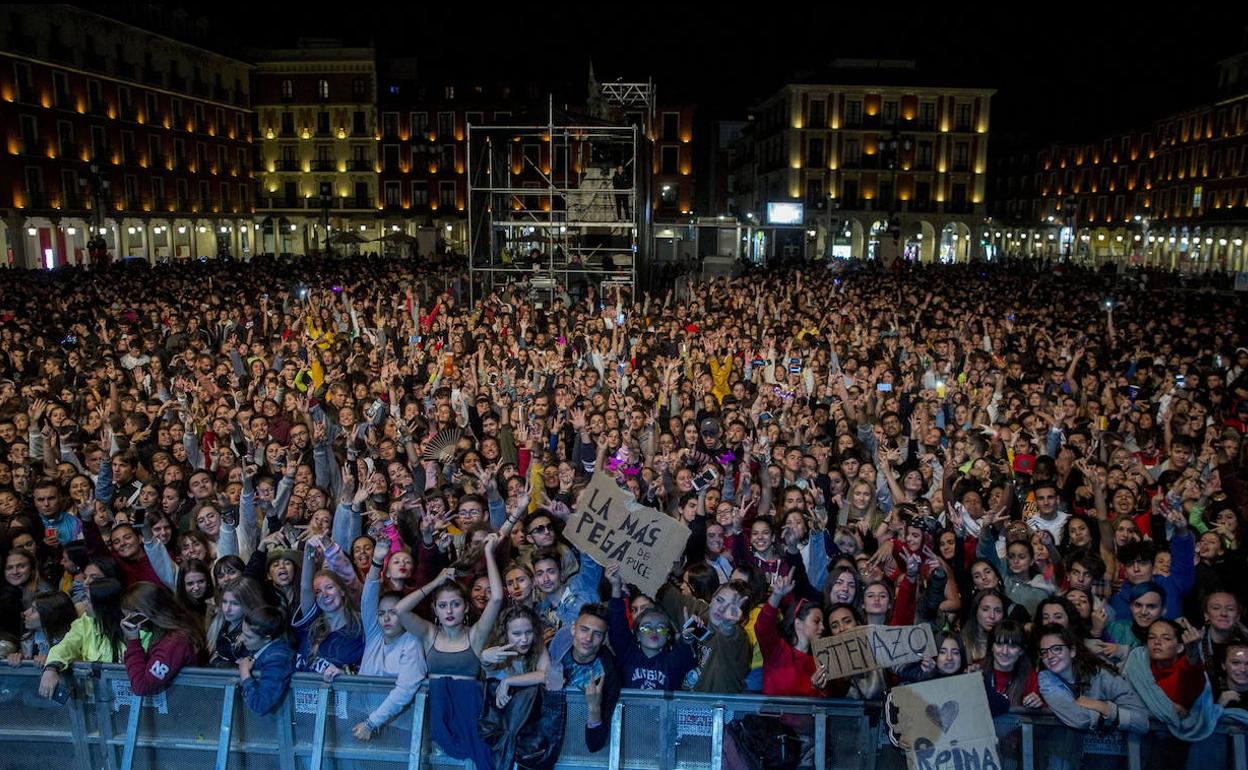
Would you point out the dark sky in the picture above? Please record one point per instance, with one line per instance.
(1073, 69)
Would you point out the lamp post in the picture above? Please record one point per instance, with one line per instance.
(97, 246)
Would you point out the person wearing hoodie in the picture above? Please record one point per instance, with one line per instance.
(651, 657)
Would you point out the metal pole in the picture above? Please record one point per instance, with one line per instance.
(227, 720)
(472, 241)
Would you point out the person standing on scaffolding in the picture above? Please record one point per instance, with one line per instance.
(620, 181)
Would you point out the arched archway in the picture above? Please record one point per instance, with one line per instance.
(857, 239)
(955, 242)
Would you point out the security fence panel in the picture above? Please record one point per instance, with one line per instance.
(201, 722)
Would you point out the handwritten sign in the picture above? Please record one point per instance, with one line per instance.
(609, 525)
(868, 648)
(944, 723)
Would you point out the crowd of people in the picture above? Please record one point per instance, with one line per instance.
(350, 468)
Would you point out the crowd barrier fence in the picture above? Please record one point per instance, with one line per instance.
(201, 722)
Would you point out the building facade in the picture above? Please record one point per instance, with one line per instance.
(865, 171)
(115, 132)
(316, 116)
(1171, 194)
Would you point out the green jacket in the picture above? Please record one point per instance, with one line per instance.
(85, 643)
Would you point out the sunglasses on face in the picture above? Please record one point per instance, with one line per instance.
(540, 529)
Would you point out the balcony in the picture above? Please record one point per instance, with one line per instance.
(359, 202)
(961, 168)
(73, 202)
(286, 164)
(324, 165)
(37, 200)
(279, 202)
(357, 164)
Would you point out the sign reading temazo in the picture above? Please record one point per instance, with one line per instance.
(868, 648)
(609, 525)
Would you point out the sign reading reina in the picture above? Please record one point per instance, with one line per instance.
(610, 525)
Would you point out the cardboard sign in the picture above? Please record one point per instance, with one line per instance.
(944, 723)
(609, 525)
(868, 648)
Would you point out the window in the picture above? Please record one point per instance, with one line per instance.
(890, 113)
(240, 127)
(420, 194)
(853, 112)
(501, 115)
(474, 118)
(390, 124)
(818, 114)
(322, 89)
(60, 88)
(446, 158)
(446, 195)
(446, 124)
(390, 157)
(30, 134)
(961, 154)
(153, 107)
(670, 163)
(155, 153)
(927, 115)
(958, 196)
(853, 152)
(95, 97)
(449, 92)
(962, 120)
(34, 182)
(223, 162)
(394, 192)
(667, 195)
(158, 191)
(200, 120)
(225, 195)
(244, 197)
(814, 193)
(244, 162)
(814, 152)
(288, 124)
(179, 152)
(175, 107)
(359, 89)
(671, 127)
(924, 160)
(127, 147)
(220, 121)
(322, 123)
(201, 157)
(358, 124)
(65, 139)
(420, 123)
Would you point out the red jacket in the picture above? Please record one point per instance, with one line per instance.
(786, 670)
(1182, 681)
(153, 671)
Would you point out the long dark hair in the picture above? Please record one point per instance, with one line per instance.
(1009, 632)
(802, 608)
(167, 616)
(56, 613)
(198, 606)
(105, 597)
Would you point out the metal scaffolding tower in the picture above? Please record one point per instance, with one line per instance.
(559, 207)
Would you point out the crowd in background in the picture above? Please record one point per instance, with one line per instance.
(350, 468)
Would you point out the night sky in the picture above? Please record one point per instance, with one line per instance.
(1065, 74)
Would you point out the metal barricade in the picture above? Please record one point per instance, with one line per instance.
(201, 722)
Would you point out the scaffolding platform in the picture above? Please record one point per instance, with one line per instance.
(563, 205)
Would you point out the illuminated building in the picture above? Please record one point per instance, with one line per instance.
(880, 166)
(1171, 194)
(159, 128)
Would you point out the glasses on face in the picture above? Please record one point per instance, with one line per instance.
(469, 511)
(654, 628)
(540, 529)
(1057, 649)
